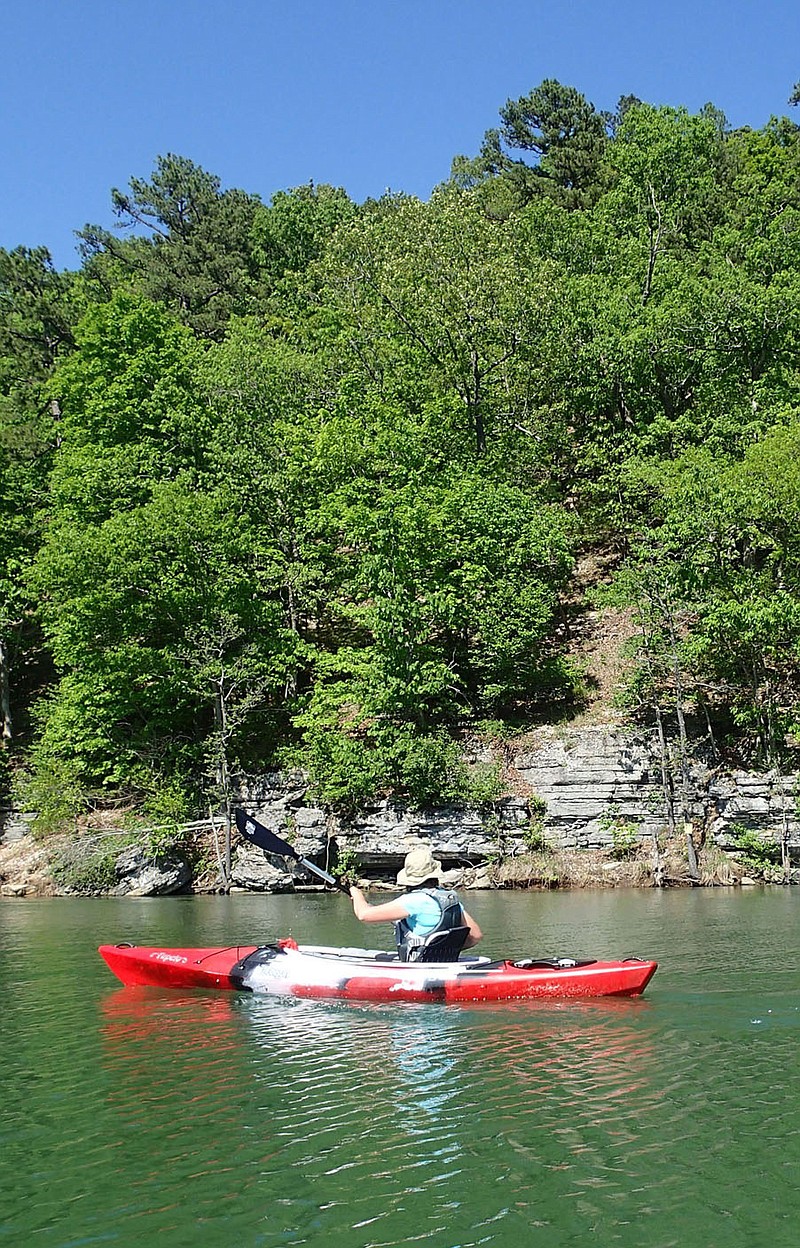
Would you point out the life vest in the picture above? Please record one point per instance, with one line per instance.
(410, 943)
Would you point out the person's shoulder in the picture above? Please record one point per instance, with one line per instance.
(417, 898)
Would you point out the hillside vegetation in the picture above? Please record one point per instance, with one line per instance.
(319, 483)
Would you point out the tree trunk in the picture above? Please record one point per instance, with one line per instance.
(475, 403)
(683, 761)
(223, 774)
(666, 777)
(663, 750)
(658, 866)
(654, 233)
(5, 699)
(785, 860)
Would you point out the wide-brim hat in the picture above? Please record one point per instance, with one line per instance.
(420, 865)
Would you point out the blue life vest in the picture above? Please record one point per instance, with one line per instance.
(409, 943)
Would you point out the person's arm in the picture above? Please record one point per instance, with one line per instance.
(387, 912)
(475, 933)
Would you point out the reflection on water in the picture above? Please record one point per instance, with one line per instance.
(137, 1115)
(465, 1107)
(352, 1117)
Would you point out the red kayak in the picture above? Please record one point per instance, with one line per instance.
(286, 969)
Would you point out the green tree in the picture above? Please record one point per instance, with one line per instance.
(665, 165)
(139, 554)
(37, 315)
(727, 531)
(295, 228)
(448, 612)
(437, 301)
(566, 138)
(191, 246)
(131, 412)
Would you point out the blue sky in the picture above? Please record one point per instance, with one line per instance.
(365, 94)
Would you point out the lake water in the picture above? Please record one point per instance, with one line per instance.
(140, 1116)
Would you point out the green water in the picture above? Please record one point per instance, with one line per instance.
(146, 1117)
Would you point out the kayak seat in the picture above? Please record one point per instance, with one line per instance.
(443, 946)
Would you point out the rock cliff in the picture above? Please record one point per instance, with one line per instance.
(582, 791)
(586, 789)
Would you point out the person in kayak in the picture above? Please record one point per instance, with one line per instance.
(425, 916)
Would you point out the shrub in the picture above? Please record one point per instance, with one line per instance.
(87, 865)
(755, 852)
(424, 769)
(51, 787)
(624, 835)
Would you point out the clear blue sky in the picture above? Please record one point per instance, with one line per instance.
(365, 94)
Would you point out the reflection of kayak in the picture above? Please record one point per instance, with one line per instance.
(366, 975)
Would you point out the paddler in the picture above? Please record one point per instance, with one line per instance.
(425, 915)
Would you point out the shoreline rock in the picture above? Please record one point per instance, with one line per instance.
(592, 799)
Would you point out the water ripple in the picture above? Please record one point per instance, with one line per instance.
(192, 1119)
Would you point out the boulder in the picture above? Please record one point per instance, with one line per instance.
(142, 876)
(255, 871)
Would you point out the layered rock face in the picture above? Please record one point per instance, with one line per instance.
(582, 789)
(586, 786)
(592, 778)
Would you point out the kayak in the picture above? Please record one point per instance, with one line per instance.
(288, 969)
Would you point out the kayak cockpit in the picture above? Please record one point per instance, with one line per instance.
(382, 956)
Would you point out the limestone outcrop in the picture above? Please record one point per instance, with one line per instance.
(585, 790)
(577, 790)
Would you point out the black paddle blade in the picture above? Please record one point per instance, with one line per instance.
(254, 831)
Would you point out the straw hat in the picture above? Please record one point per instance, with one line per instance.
(420, 865)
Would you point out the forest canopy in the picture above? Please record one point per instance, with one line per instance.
(304, 483)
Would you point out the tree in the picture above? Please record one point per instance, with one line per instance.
(131, 411)
(192, 246)
(714, 573)
(152, 615)
(566, 136)
(295, 228)
(664, 164)
(37, 314)
(651, 583)
(437, 300)
(132, 430)
(447, 613)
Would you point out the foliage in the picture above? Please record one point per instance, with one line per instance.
(534, 838)
(346, 865)
(755, 852)
(533, 834)
(88, 865)
(192, 245)
(307, 478)
(52, 788)
(566, 137)
(349, 767)
(624, 834)
(166, 804)
(295, 228)
(37, 315)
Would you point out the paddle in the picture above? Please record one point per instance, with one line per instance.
(254, 831)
